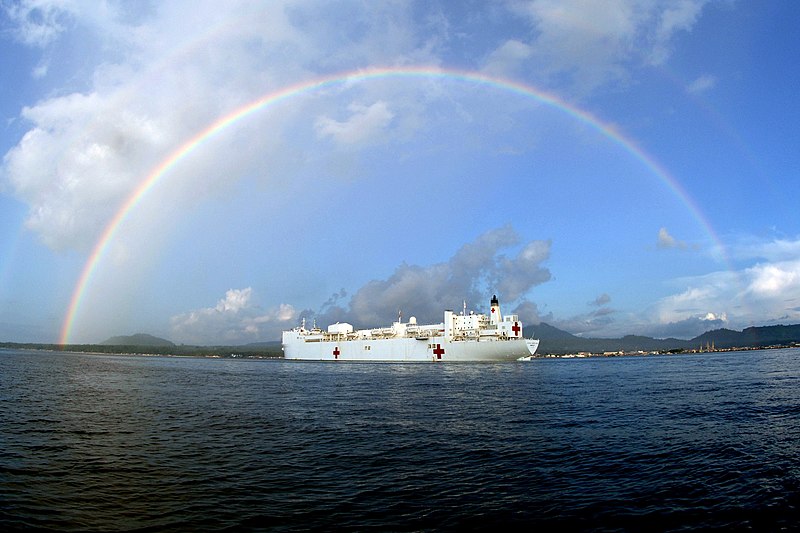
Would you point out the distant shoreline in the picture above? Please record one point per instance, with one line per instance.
(216, 352)
(679, 351)
(239, 352)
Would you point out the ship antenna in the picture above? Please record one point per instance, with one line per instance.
(464, 312)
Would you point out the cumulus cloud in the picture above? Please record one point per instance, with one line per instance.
(665, 240)
(516, 275)
(767, 292)
(768, 281)
(508, 58)
(85, 152)
(365, 123)
(72, 169)
(702, 84)
(333, 301)
(530, 315)
(599, 323)
(687, 328)
(157, 75)
(40, 71)
(475, 271)
(762, 293)
(701, 297)
(235, 319)
(779, 249)
(673, 17)
(473, 274)
(39, 23)
(595, 43)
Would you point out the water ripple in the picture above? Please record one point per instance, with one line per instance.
(106, 443)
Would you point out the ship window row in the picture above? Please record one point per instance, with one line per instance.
(367, 347)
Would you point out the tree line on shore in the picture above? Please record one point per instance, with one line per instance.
(553, 341)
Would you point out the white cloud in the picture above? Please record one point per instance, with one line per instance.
(366, 123)
(767, 292)
(508, 58)
(761, 294)
(597, 323)
(158, 74)
(591, 44)
(515, 276)
(73, 169)
(675, 17)
(687, 328)
(665, 240)
(697, 300)
(475, 271)
(702, 84)
(236, 319)
(768, 281)
(235, 300)
(40, 71)
(780, 249)
(529, 313)
(39, 23)
(583, 40)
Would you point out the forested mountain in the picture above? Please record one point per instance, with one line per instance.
(138, 339)
(556, 341)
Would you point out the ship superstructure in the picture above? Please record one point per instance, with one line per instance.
(460, 337)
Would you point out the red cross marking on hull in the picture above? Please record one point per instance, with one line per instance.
(515, 329)
(336, 352)
(438, 351)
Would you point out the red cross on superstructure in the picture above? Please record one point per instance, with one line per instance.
(336, 352)
(438, 351)
(515, 329)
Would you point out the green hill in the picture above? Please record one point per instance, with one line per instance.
(139, 339)
(556, 341)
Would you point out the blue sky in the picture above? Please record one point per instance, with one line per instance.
(659, 197)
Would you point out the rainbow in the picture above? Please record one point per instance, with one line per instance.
(276, 97)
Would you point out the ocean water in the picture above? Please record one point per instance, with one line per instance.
(663, 443)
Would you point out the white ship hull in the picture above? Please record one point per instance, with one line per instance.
(460, 338)
(434, 349)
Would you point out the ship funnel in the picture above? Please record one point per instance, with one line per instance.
(495, 317)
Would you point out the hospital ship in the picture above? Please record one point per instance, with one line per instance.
(461, 337)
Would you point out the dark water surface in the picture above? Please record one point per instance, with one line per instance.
(91, 442)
